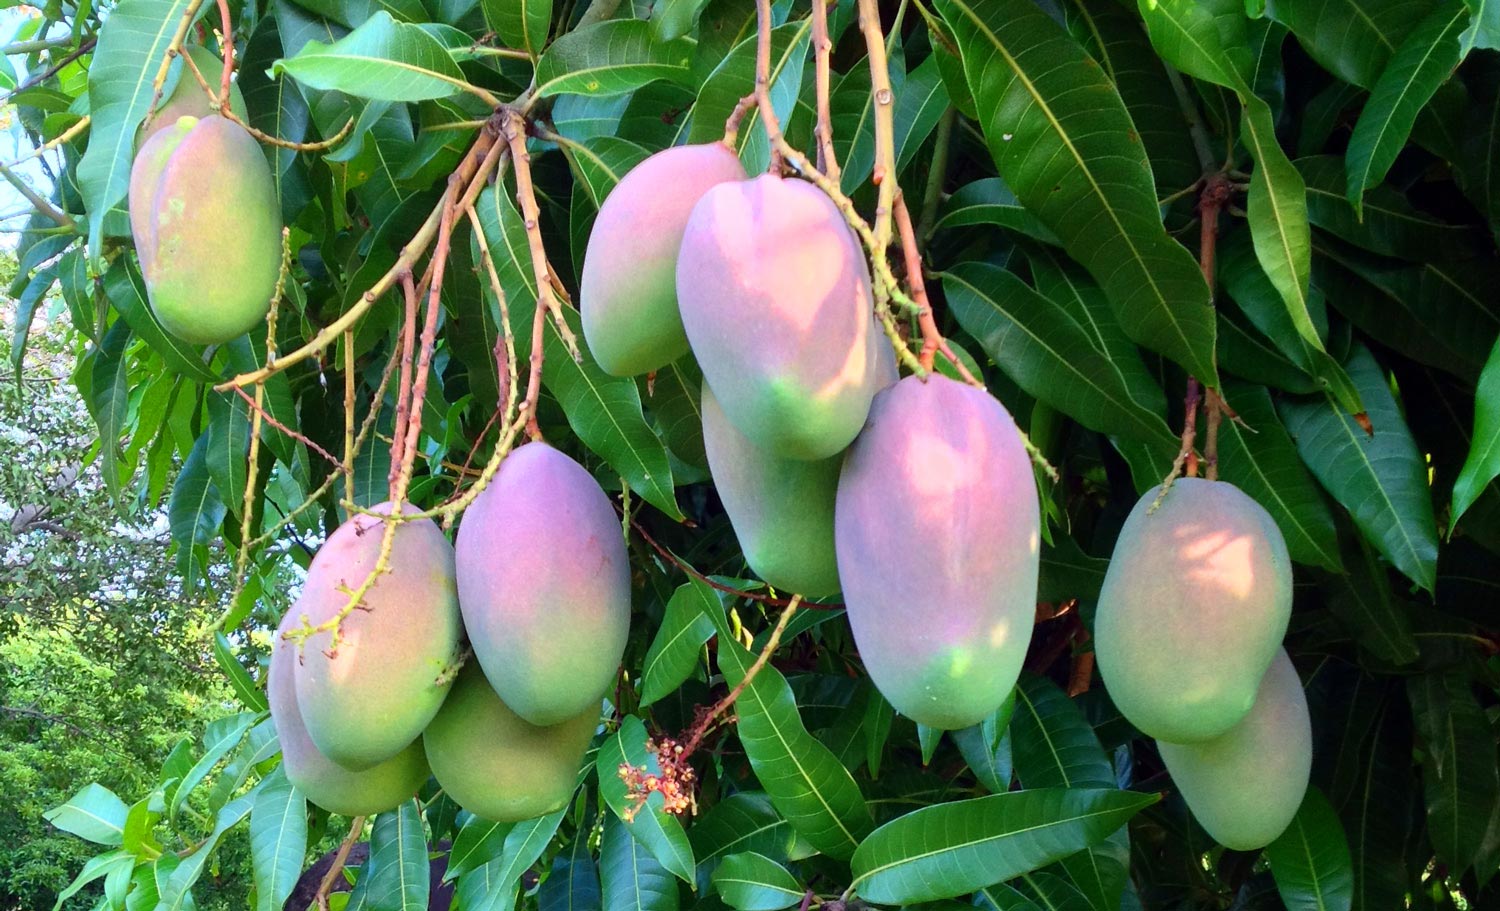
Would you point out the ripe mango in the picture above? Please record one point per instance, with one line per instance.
(1194, 606)
(374, 695)
(775, 296)
(1245, 785)
(320, 779)
(207, 228)
(187, 98)
(628, 289)
(493, 763)
(937, 533)
(544, 585)
(781, 509)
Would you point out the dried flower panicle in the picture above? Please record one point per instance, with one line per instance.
(676, 783)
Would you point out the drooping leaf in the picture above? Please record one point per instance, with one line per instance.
(1379, 478)
(574, 883)
(733, 77)
(278, 839)
(126, 290)
(674, 651)
(521, 24)
(194, 515)
(1459, 770)
(1390, 225)
(955, 848)
(1350, 38)
(1060, 135)
(739, 823)
(630, 878)
(495, 884)
(1054, 745)
(478, 842)
(398, 875)
(1310, 860)
(989, 201)
(95, 814)
(1483, 462)
(177, 894)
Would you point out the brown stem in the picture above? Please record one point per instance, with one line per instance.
(703, 724)
(403, 385)
(261, 414)
(768, 119)
(828, 162)
(932, 339)
(884, 101)
(719, 586)
(174, 49)
(226, 111)
(226, 45)
(355, 829)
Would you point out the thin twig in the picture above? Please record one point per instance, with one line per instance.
(828, 162)
(739, 592)
(356, 828)
(702, 726)
(66, 135)
(42, 205)
(226, 48)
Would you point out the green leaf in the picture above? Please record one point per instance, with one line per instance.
(630, 878)
(611, 58)
(989, 201)
(126, 290)
(521, 24)
(95, 868)
(734, 78)
(1045, 346)
(1381, 478)
(221, 736)
(600, 162)
(605, 411)
(1390, 226)
(1352, 39)
(94, 814)
(278, 839)
(955, 848)
(659, 831)
(742, 822)
(228, 435)
(674, 400)
(478, 842)
(132, 45)
(675, 18)
(1260, 458)
(383, 60)
(1376, 819)
(249, 694)
(753, 882)
(194, 514)
(493, 886)
(31, 297)
(1361, 598)
(1310, 860)
(920, 103)
(1458, 769)
(176, 893)
(674, 651)
(986, 747)
(805, 781)
(1061, 137)
(574, 883)
(1483, 462)
(1422, 62)
(1053, 744)
(109, 400)
(397, 870)
(1484, 29)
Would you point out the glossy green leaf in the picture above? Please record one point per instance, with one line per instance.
(1260, 458)
(397, 871)
(108, 399)
(1352, 39)
(478, 842)
(94, 814)
(659, 831)
(601, 162)
(1483, 462)
(742, 822)
(278, 839)
(494, 886)
(220, 737)
(1310, 860)
(989, 201)
(673, 397)
(611, 58)
(521, 24)
(1458, 769)
(120, 77)
(250, 695)
(1422, 62)
(674, 652)
(1059, 134)
(176, 894)
(955, 848)
(1045, 346)
(1390, 225)
(1484, 27)
(805, 781)
(675, 18)
(383, 60)
(194, 515)
(126, 291)
(733, 78)
(630, 878)
(753, 882)
(986, 747)
(1362, 599)
(574, 882)
(228, 434)
(1053, 743)
(1381, 478)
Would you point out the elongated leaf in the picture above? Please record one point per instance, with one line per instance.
(601, 162)
(221, 736)
(130, 51)
(990, 202)
(574, 883)
(1261, 460)
(194, 515)
(1380, 479)
(630, 878)
(1483, 462)
(383, 60)
(1459, 772)
(1484, 30)
(605, 411)
(1422, 62)
(1352, 39)
(494, 886)
(228, 446)
(1390, 226)
(734, 77)
(109, 399)
(674, 400)
(752, 882)
(94, 814)
(741, 822)
(659, 831)
(954, 848)
(1054, 745)
(986, 747)
(521, 24)
(278, 839)
(176, 893)
(1375, 817)
(1310, 860)
(611, 58)
(805, 781)
(249, 694)
(397, 871)
(478, 842)
(1060, 136)
(674, 651)
(126, 290)
(919, 106)
(1046, 348)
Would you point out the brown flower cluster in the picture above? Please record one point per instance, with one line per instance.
(676, 782)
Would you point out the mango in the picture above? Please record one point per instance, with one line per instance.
(320, 779)
(937, 530)
(1245, 785)
(781, 509)
(369, 698)
(187, 98)
(544, 585)
(775, 296)
(496, 765)
(207, 228)
(628, 289)
(1194, 606)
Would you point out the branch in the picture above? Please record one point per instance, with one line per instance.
(174, 49)
(66, 135)
(356, 828)
(42, 205)
(828, 162)
(701, 727)
(226, 50)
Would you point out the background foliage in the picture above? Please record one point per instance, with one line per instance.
(1061, 159)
